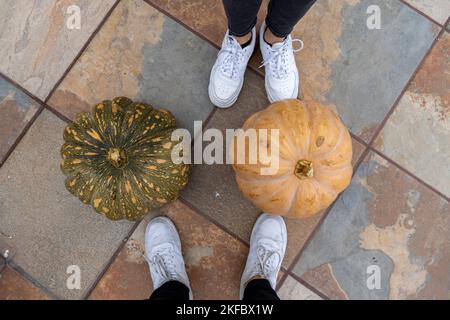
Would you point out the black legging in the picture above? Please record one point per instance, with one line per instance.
(258, 289)
(281, 18)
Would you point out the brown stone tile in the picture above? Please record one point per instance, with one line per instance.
(322, 277)
(15, 287)
(214, 260)
(39, 42)
(206, 17)
(213, 190)
(386, 225)
(291, 289)
(16, 109)
(144, 55)
(417, 134)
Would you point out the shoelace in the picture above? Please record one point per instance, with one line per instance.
(279, 57)
(268, 261)
(163, 264)
(233, 58)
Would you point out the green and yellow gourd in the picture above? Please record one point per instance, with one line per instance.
(118, 159)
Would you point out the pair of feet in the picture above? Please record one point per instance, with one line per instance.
(227, 74)
(267, 247)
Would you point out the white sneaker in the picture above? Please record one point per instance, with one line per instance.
(227, 74)
(163, 251)
(267, 247)
(282, 77)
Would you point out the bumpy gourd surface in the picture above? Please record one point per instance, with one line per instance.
(118, 159)
(315, 153)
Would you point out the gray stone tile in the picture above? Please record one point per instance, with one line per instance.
(51, 229)
(417, 135)
(142, 54)
(16, 109)
(360, 71)
(439, 10)
(386, 225)
(36, 45)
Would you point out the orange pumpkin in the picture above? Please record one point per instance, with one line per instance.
(314, 163)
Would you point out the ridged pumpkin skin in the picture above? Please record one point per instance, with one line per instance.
(315, 151)
(118, 159)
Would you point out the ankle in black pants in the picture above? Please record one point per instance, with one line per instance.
(258, 289)
(282, 15)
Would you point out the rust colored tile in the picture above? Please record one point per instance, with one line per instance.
(206, 17)
(214, 260)
(15, 287)
(417, 134)
(385, 226)
(322, 277)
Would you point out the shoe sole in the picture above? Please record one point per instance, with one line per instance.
(169, 222)
(293, 96)
(260, 220)
(223, 104)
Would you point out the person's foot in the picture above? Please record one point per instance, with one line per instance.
(267, 247)
(227, 74)
(282, 77)
(163, 252)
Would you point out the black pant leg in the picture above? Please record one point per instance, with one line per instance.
(259, 289)
(171, 290)
(283, 15)
(242, 15)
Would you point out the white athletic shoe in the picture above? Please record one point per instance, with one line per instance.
(267, 247)
(227, 74)
(163, 251)
(282, 77)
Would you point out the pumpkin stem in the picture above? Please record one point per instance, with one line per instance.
(304, 169)
(117, 157)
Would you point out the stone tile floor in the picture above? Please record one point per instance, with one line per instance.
(390, 86)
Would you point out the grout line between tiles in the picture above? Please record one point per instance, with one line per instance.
(110, 261)
(421, 13)
(409, 173)
(324, 216)
(309, 286)
(21, 135)
(18, 86)
(16, 268)
(83, 48)
(213, 221)
(402, 92)
(368, 148)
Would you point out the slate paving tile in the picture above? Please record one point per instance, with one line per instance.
(214, 260)
(212, 188)
(37, 45)
(16, 110)
(206, 17)
(13, 286)
(439, 10)
(360, 71)
(386, 226)
(417, 134)
(142, 54)
(291, 289)
(52, 230)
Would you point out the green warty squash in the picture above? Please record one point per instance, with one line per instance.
(118, 159)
